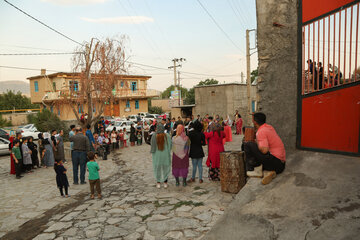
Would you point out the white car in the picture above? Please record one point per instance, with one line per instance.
(142, 114)
(133, 118)
(121, 125)
(151, 117)
(4, 146)
(29, 131)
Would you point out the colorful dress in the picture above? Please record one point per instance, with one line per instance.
(216, 146)
(161, 160)
(180, 159)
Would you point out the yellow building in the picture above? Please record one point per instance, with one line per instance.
(130, 94)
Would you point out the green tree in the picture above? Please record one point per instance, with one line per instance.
(254, 74)
(4, 122)
(167, 92)
(11, 100)
(208, 82)
(46, 121)
(155, 110)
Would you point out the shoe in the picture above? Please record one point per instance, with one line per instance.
(83, 183)
(158, 185)
(268, 177)
(92, 197)
(191, 180)
(18, 177)
(177, 184)
(99, 196)
(184, 184)
(201, 181)
(75, 183)
(256, 173)
(165, 185)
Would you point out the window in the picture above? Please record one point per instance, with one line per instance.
(59, 111)
(36, 85)
(54, 86)
(80, 109)
(74, 86)
(212, 93)
(122, 84)
(51, 109)
(137, 104)
(133, 86)
(127, 104)
(253, 106)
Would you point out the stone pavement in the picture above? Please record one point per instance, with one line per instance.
(132, 207)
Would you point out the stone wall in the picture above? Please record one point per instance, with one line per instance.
(16, 119)
(277, 51)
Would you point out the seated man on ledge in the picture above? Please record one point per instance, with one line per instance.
(266, 153)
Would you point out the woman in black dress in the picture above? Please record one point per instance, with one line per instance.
(132, 135)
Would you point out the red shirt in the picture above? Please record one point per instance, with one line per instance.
(266, 136)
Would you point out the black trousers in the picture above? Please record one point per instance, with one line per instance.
(256, 158)
(61, 190)
(18, 167)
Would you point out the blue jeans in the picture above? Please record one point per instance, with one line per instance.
(79, 158)
(197, 163)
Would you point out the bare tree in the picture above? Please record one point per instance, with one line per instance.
(97, 67)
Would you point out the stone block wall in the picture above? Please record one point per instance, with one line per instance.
(277, 50)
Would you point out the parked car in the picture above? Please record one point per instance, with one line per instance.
(142, 114)
(4, 146)
(151, 117)
(121, 125)
(4, 134)
(133, 118)
(30, 131)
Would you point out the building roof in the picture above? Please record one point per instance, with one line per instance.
(71, 74)
(223, 84)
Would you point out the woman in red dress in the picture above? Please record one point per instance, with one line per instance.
(216, 146)
(239, 123)
(12, 165)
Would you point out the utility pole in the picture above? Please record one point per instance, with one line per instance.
(175, 65)
(179, 87)
(248, 79)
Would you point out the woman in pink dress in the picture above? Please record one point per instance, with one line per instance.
(216, 146)
(180, 159)
(227, 129)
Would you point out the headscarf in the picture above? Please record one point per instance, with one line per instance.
(160, 128)
(181, 143)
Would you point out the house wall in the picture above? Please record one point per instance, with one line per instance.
(223, 100)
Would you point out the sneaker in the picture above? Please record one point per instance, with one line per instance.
(165, 185)
(158, 185)
(191, 180)
(75, 183)
(201, 181)
(18, 177)
(184, 184)
(177, 184)
(256, 173)
(268, 177)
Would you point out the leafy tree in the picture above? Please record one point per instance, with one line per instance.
(167, 92)
(11, 100)
(46, 121)
(155, 110)
(208, 82)
(254, 74)
(4, 122)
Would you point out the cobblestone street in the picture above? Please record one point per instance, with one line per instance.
(131, 208)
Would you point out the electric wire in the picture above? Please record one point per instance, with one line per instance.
(37, 54)
(42, 23)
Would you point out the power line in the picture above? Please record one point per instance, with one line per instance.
(43, 23)
(27, 47)
(36, 54)
(223, 31)
(23, 68)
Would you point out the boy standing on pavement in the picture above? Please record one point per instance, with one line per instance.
(17, 158)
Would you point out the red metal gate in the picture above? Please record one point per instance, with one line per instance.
(329, 81)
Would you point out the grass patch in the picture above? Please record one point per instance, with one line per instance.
(158, 204)
(187, 203)
(146, 217)
(201, 193)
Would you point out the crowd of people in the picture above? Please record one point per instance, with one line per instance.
(173, 142)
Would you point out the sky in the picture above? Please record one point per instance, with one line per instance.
(157, 32)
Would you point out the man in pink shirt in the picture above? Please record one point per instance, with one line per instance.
(267, 153)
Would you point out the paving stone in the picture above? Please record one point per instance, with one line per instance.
(205, 217)
(141, 229)
(58, 226)
(70, 216)
(111, 231)
(29, 215)
(116, 211)
(97, 205)
(92, 226)
(93, 233)
(157, 217)
(190, 234)
(98, 220)
(45, 236)
(148, 236)
(82, 224)
(112, 221)
(172, 224)
(183, 209)
(82, 207)
(144, 212)
(70, 232)
(135, 219)
(133, 236)
(174, 235)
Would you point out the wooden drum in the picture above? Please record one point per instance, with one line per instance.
(232, 171)
(250, 135)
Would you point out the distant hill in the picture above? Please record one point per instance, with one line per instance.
(23, 87)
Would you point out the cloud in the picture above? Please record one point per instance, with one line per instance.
(120, 20)
(74, 2)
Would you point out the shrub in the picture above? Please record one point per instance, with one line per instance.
(46, 121)
(155, 110)
(4, 122)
